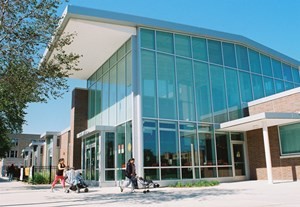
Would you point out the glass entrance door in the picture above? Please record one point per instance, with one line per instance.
(90, 162)
(239, 159)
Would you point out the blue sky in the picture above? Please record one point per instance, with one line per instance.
(273, 23)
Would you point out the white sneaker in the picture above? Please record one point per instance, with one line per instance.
(52, 190)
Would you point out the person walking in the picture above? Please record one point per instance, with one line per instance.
(11, 172)
(59, 174)
(130, 174)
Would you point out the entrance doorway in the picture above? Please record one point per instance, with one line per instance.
(239, 159)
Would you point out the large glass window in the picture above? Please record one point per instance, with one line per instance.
(121, 91)
(279, 86)
(269, 86)
(166, 86)
(233, 94)
(164, 42)
(266, 65)
(112, 96)
(215, 52)
(258, 86)
(169, 149)
(254, 61)
(183, 45)
(185, 89)
(199, 49)
(290, 139)
(277, 69)
(246, 89)
(105, 100)
(296, 77)
(188, 145)
(150, 144)
(203, 94)
(206, 148)
(287, 73)
(242, 57)
(147, 38)
(223, 149)
(129, 86)
(229, 54)
(218, 94)
(148, 84)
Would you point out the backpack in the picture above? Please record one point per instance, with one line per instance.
(127, 173)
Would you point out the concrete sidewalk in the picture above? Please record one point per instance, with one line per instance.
(246, 193)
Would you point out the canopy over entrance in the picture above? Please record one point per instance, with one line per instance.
(257, 121)
(262, 120)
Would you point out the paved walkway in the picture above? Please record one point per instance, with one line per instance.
(239, 194)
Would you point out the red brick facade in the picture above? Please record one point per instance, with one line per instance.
(282, 168)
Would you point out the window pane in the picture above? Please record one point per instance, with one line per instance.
(279, 86)
(170, 174)
(229, 54)
(203, 94)
(207, 149)
(290, 138)
(296, 75)
(258, 86)
(152, 174)
(208, 172)
(166, 86)
(223, 149)
(185, 89)
(214, 51)
(147, 38)
(164, 42)
(112, 96)
(277, 69)
(288, 85)
(266, 65)
(269, 86)
(150, 144)
(183, 45)
(199, 49)
(188, 145)
(254, 61)
(218, 94)
(246, 89)
(104, 98)
(129, 86)
(233, 94)
(169, 150)
(121, 90)
(287, 73)
(242, 57)
(109, 150)
(148, 84)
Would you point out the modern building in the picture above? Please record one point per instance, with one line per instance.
(180, 99)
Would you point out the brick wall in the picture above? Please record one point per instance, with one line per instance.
(289, 103)
(282, 168)
(79, 117)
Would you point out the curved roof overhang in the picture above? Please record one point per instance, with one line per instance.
(257, 121)
(100, 33)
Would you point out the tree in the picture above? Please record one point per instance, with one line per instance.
(26, 30)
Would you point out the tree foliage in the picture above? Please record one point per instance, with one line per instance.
(26, 30)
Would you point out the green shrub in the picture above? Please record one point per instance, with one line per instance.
(200, 183)
(40, 178)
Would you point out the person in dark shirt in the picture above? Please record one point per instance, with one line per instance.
(11, 172)
(59, 174)
(130, 173)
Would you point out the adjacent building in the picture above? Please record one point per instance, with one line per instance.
(188, 103)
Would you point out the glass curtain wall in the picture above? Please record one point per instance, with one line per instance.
(188, 84)
(110, 90)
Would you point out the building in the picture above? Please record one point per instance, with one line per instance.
(171, 95)
(15, 156)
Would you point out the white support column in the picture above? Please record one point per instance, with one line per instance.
(267, 153)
